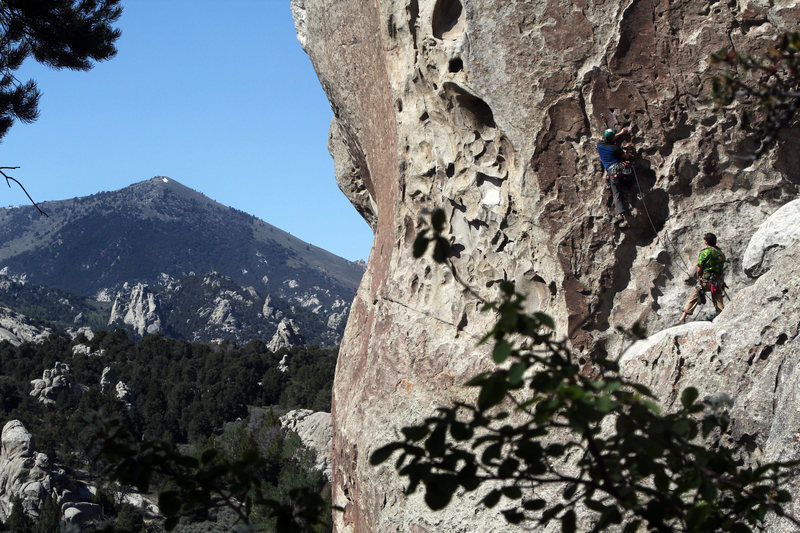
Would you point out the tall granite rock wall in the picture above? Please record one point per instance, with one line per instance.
(491, 110)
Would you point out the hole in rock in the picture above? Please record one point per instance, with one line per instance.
(765, 353)
(448, 20)
(478, 114)
(479, 109)
(483, 178)
(424, 116)
(451, 170)
(455, 65)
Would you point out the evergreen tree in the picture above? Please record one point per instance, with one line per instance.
(58, 33)
(18, 521)
(49, 517)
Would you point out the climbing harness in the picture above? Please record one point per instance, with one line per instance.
(623, 168)
(701, 294)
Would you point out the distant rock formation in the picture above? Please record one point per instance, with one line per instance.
(109, 380)
(24, 474)
(17, 328)
(315, 431)
(136, 307)
(491, 111)
(30, 477)
(212, 307)
(54, 381)
(285, 336)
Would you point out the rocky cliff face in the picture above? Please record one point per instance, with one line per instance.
(491, 109)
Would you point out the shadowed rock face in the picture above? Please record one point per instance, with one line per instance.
(491, 110)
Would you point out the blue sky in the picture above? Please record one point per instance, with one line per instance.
(216, 95)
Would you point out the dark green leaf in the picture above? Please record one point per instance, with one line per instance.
(169, 502)
(516, 372)
(478, 380)
(492, 392)
(545, 320)
(501, 351)
(632, 527)
(605, 404)
(689, 396)
(681, 426)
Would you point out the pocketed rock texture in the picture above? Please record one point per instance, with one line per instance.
(491, 110)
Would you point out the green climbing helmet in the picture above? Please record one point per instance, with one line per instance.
(609, 134)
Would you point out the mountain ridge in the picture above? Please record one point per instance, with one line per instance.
(151, 240)
(27, 238)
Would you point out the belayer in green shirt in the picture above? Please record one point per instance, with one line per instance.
(710, 270)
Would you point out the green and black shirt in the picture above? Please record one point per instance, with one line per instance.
(711, 262)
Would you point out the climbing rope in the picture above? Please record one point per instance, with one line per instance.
(685, 267)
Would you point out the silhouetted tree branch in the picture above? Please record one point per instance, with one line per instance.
(9, 178)
(767, 86)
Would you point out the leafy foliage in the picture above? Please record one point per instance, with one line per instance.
(57, 33)
(197, 485)
(768, 85)
(548, 441)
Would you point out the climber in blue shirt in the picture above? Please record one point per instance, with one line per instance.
(614, 163)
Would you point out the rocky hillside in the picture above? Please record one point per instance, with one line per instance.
(491, 110)
(158, 256)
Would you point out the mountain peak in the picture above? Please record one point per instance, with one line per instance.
(160, 226)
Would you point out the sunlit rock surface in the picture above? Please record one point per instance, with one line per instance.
(314, 430)
(491, 109)
(16, 328)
